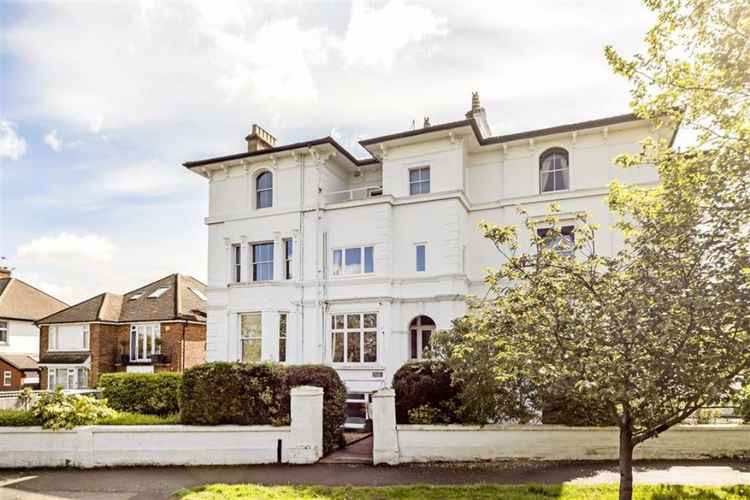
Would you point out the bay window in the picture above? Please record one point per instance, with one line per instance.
(68, 378)
(68, 338)
(354, 338)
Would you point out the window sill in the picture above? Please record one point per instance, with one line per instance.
(69, 350)
(358, 366)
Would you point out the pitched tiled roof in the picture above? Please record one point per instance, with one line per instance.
(71, 358)
(19, 300)
(20, 361)
(176, 301)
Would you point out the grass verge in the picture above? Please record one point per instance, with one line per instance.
(464, 492)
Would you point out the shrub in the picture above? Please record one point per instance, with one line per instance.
(147, 393)
(741, 401)
(427, 415)
(574, 410)
(234, 393)
(56, 410)
(126, 418)
(334, 398)
(18, 418)
(425, 383)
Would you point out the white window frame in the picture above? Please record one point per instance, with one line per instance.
(4, 333)
(341, 271)
(288, 258)
(283, 337)
(361, 330)
(52, 340)
(420, 328)
(242, 337)
(421, 181)
(149, 331)
(416, 257)
(542, 157)
(259, 190)
(236, 258)
(253, 263)
(570, 252)
(7, 378)
(70, 371)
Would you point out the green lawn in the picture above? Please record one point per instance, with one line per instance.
(468, 492)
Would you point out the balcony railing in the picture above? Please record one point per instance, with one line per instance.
(356, 194)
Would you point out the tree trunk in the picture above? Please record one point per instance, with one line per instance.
(626, 462)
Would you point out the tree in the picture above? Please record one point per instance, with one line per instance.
(661, 328)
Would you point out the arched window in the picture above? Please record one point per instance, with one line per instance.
(420, 337)
(264, 190)
(554, 171)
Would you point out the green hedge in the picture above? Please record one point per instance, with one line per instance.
(258, 394)
(146, 393)
(234, 393)
(559, 408)
(424, 390)
(18, 418)
(334, 398)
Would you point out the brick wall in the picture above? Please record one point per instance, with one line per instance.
(195, 345)
(15, 379)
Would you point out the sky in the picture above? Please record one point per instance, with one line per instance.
(102, 101)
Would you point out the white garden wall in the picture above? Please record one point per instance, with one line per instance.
(113, 445)
(395, 444)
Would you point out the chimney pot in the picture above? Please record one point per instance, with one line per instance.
(426, 122)
(478, 114)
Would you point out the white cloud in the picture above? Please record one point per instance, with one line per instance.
(12, 146)
(147, 178)
(375, 36)
(68, 246)
(66, 293)
(54, 142)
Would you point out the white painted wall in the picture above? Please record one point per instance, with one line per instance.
(23, 338)
(120, 445)
(468, 184)
(394, 444)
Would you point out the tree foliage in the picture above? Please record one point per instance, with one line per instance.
(662, 327)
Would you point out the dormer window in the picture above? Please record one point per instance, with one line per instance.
(554, 171)
(264, 190)
(136, 296)
(158, 293)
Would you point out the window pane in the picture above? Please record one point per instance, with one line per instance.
(352, 321)
(371, 347)
(265, 180)
(337, 262)
(426, 320)
(413, 344)
(133, 344)
(426, 343)
(421, 264)
(338, 347)
(251, 350)
(414, 175)
(546, 181)
(282, 337)
(337, 322)
(250, 325)
(561, 180)
(353, 351)
(353, 262)
(369, 260)
(264, 199)
(371, 320)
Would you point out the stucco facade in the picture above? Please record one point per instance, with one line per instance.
(324, 200)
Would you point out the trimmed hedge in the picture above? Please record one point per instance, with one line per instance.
(334, 398)
(18, 418)
(559, 408)
(258, 394)
(425, 387)
(145, 393)
(234, 393)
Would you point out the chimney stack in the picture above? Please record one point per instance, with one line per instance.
(259, 139)
(5, 272)
(479, 115)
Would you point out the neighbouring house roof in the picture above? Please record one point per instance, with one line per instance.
(169, 298)
(22, 362)
(67, 358)
(469, 122)
(19, 300)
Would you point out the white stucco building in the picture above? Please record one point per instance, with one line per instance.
(318, 257)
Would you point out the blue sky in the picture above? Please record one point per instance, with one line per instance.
(101, 102)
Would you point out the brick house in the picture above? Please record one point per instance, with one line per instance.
(158, 327)
(20, 306)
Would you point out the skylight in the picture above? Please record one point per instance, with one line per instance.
(136, 296)
(200, 294)
(158, 293)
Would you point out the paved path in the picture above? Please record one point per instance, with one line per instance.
(357, 452)
(160, 482)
